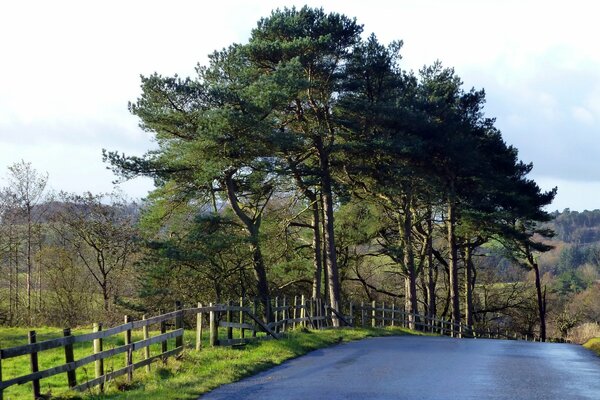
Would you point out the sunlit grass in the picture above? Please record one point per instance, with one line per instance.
(20, 366)
(593, 344)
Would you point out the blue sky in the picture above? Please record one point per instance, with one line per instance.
(69, 68)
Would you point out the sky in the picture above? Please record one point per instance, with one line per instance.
(69, 68)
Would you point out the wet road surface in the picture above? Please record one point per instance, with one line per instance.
(428, 368)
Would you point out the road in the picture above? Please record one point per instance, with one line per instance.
(436, 368)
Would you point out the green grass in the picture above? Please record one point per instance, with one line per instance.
(593, 344)
(55, 385)
(196, 373)
(186, 377)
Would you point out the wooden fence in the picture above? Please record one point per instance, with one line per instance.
(243, 317)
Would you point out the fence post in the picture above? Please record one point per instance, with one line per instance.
(129, 352)
(163, 344)
(229, 319)
(146, 336)
(242, 330)
(294, 312)
(303, 311)
(362, 314)
(98, 364)
(285, 315)
(317, 312)
(69, 358)
(276, 315)
(313, 314)
(352, 313)
(34, 365)
(199, 329)
(178, 323)
(1, 390)
(393, 313)
(214, 332)
(383, 314)
(255, 311)
(373, 315)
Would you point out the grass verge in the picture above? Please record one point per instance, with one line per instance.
(593, 344)
(196, 373)
(56, 385)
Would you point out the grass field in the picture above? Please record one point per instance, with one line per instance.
(55, 385)
(187, 377)
(594, 345)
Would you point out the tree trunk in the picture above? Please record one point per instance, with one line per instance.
(453, 261)
(253, 228)
(317, 247)
(29, 263)
(409, 263)
(329, 240)
(468, 285)
(541, 299)
(325, 268)
(105, 298)
(431, 276)
(260, 274)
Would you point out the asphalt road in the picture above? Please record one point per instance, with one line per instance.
(438, 368)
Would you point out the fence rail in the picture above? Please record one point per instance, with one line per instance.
(243, 318)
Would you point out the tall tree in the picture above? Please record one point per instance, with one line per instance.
(213, 141)
(26, 187)
(315, 47)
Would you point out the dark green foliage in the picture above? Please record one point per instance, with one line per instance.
(308, 123)
(577, 227)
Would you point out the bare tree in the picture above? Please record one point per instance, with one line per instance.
(25, 189)
(102, 235)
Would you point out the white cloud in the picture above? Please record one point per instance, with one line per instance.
(582, 115)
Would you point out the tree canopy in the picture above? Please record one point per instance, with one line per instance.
(310, 115)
